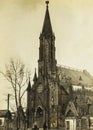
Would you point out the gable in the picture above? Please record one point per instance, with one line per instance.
(71, 110)
(70, 114)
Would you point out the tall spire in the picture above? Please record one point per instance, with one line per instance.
(29, 85)
(47, 61)
(35, 76)
(47, 28)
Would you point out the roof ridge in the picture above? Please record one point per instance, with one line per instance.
(71, 68)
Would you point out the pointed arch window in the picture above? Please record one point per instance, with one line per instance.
(39, 112)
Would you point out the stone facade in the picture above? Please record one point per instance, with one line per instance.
(48, 97)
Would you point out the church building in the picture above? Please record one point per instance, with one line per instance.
(52, 90)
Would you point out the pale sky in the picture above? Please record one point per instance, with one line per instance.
(21, 22)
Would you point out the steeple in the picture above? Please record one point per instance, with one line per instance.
(35, 76)
(29, 86)
(47, 61)
(47, 28)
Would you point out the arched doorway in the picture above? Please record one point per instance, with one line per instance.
(39, 116)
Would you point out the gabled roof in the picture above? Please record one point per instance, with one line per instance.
(5, 113)
(75, 77)
(71, 110)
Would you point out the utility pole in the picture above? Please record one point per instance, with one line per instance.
(8, 101)
(8, 111)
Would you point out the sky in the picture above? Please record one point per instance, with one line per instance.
(21, 22)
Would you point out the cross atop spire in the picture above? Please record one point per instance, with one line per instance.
(47, 2)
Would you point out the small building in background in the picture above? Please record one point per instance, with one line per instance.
(5, 119)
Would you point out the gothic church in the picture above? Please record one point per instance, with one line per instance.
(52, 90)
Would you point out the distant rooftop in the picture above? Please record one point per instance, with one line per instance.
(75, 76)
(5, 113)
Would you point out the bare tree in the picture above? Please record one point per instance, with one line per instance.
(17, 76)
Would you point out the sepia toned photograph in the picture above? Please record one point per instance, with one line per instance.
(46, 64)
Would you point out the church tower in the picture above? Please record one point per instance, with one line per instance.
(49, 96)
(47, 61)
(43, 96)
